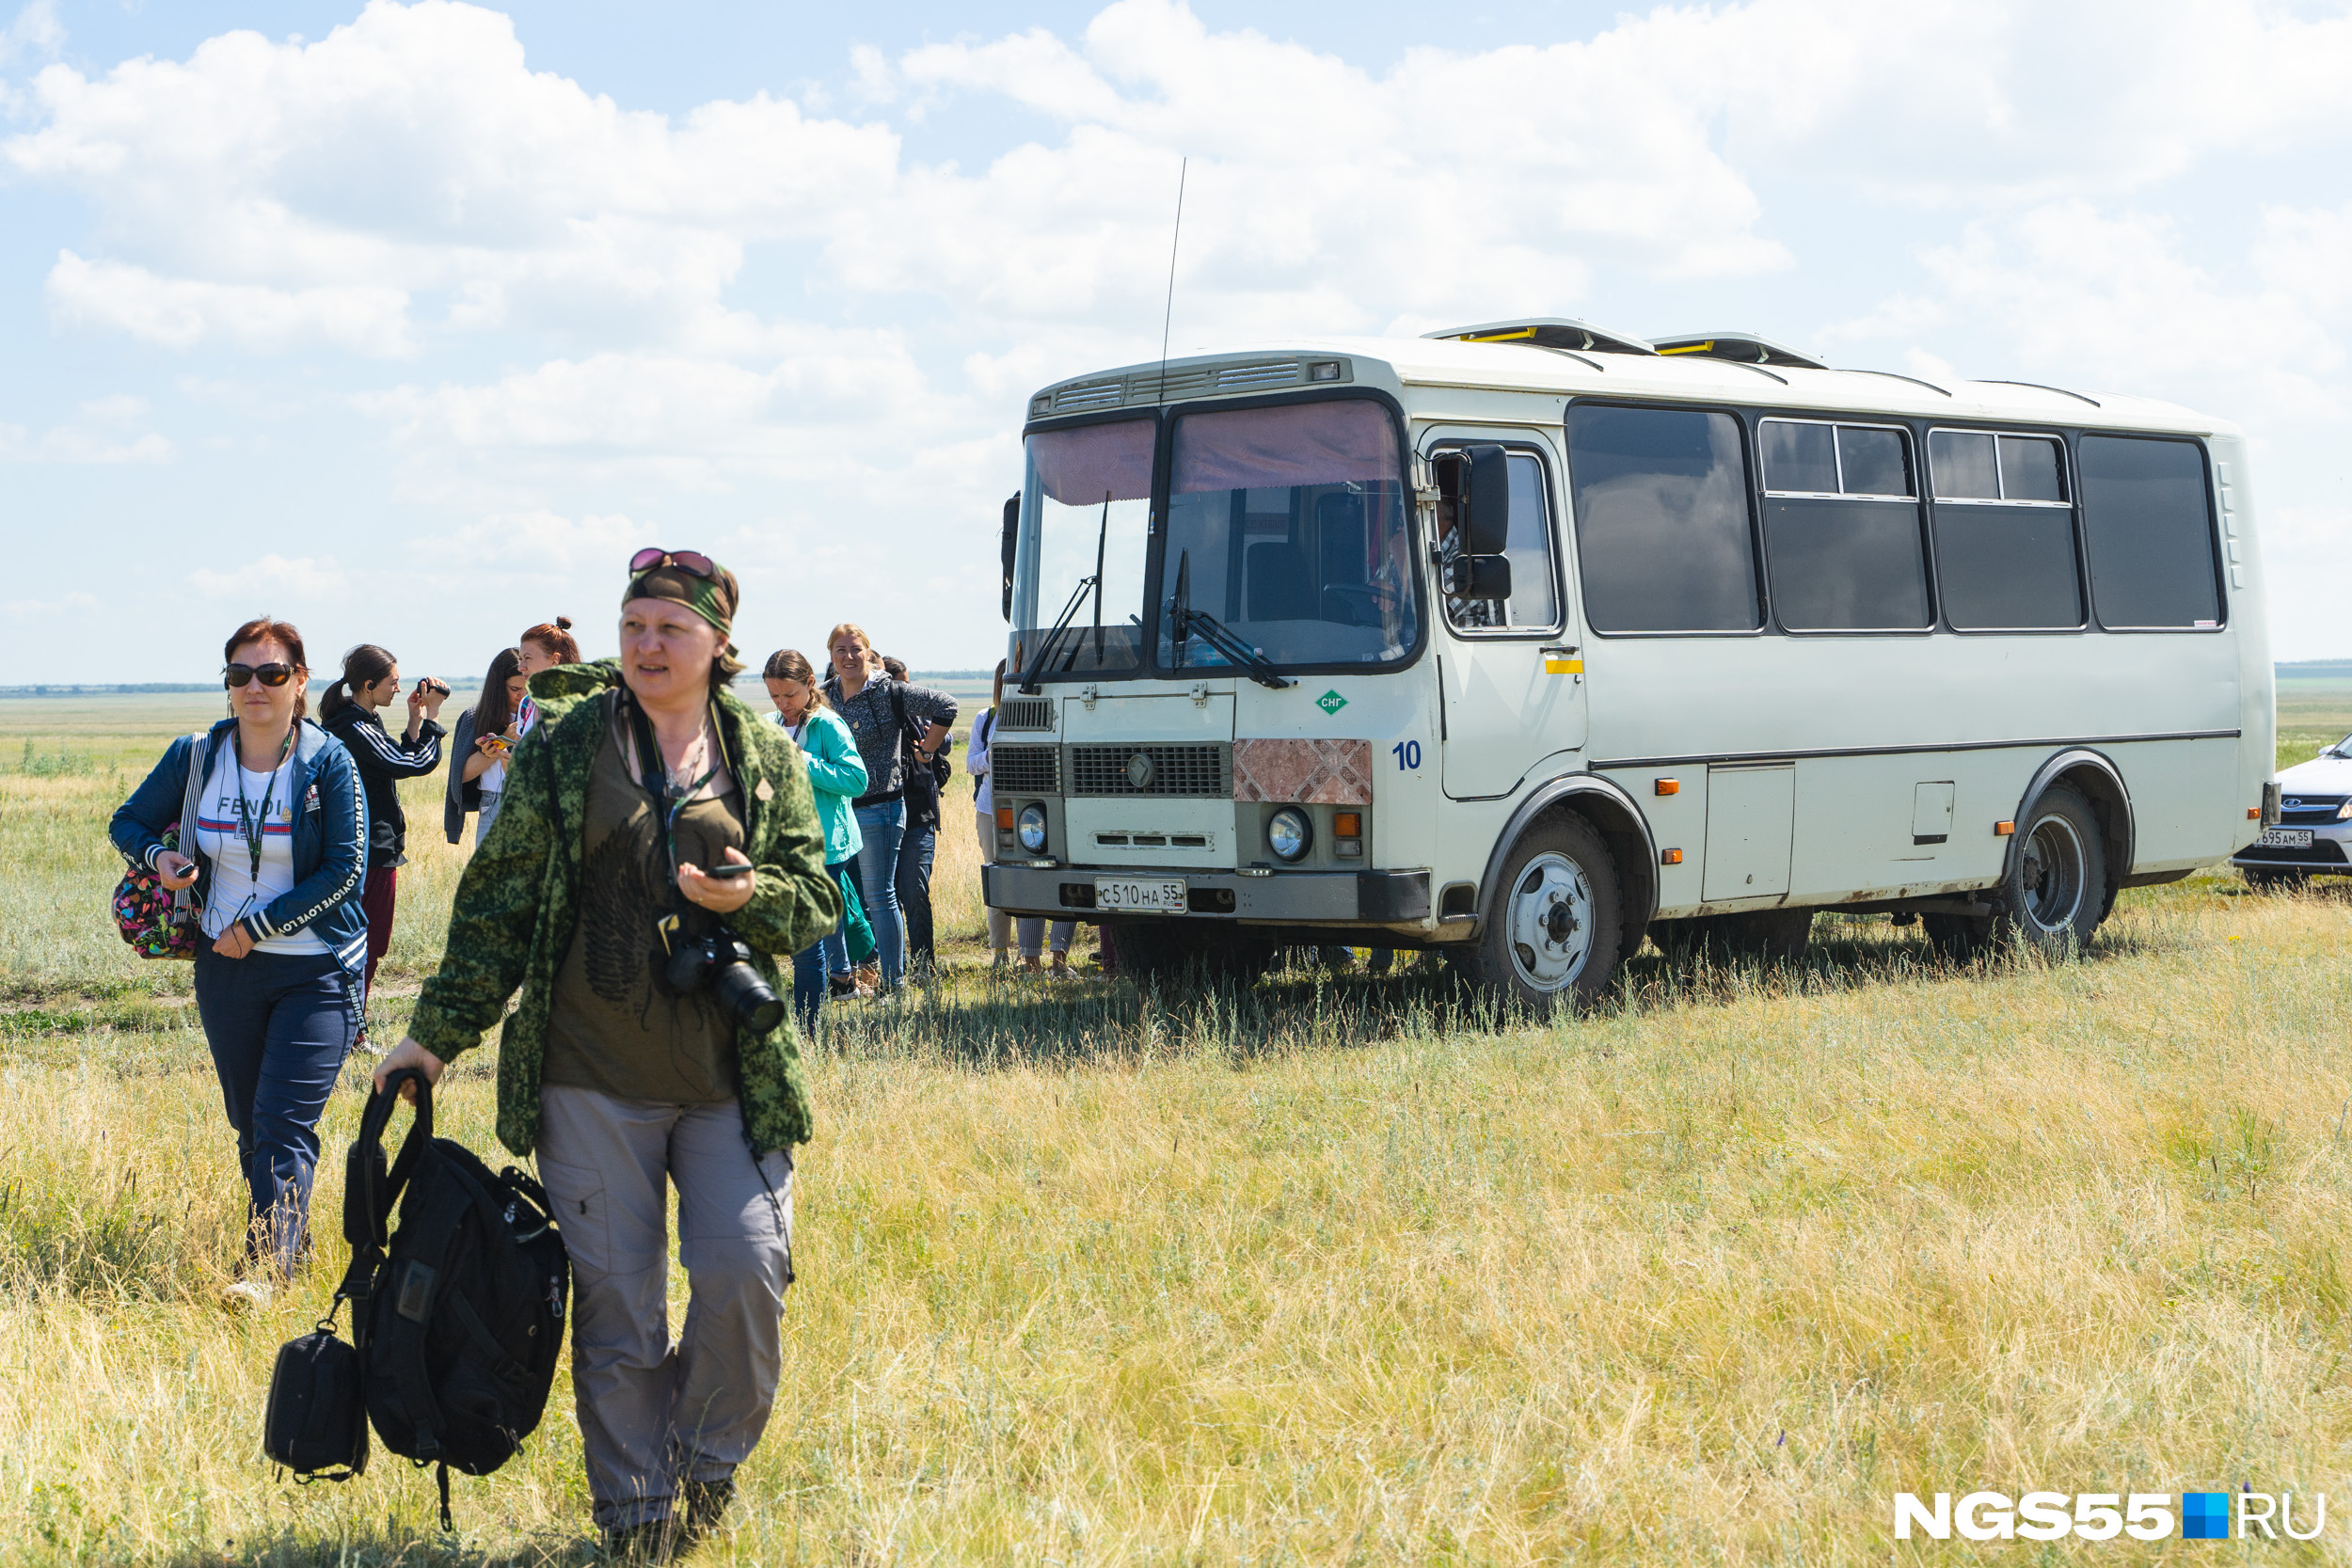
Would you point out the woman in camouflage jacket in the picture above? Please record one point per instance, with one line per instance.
(622, 1082)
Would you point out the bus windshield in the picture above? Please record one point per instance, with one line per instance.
(1286, 525)
(1089, 496)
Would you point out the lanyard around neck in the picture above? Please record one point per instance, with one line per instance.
(653, 775)
(252, 824)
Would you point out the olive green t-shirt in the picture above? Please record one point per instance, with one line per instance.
(616, 1025)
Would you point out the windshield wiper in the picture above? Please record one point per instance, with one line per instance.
(1028, 687)
(1186, 623)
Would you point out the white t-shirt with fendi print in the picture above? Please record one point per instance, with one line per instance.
(232, 798)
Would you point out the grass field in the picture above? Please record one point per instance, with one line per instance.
(1332, 1271)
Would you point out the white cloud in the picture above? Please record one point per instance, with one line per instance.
(180, 314)
(33, 32)
(299, 578)
(71, 444)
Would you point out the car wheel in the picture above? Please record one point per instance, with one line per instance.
(1553, 936)
(2263, 879)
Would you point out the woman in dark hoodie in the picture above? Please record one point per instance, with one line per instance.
(369, 681)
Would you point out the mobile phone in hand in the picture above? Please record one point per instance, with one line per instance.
(726, 873)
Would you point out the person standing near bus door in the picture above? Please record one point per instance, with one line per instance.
(348, 709)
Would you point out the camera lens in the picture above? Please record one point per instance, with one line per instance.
(748, 999)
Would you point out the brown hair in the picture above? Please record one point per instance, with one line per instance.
(790, 664)
(556, 638)
(262, 629)
(362, 666)
(492, 712)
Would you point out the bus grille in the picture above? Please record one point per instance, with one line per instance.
(1024, 770)
(1176, 769)
(1026, 713)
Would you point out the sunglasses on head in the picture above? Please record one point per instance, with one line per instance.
(692, 563)
(271, 674)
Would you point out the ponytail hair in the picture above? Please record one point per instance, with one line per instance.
(556, 638)
(362, 666)
(790, 664)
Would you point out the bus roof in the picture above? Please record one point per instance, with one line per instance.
(1523, 366)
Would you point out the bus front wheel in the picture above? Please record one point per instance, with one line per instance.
(1553, 934)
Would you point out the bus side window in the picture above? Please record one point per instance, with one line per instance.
(2003, 532)
(1841, 528)
(2151, 533)
(1535, 601)
(1663, 538)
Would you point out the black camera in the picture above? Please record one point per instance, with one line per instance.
(724, 964)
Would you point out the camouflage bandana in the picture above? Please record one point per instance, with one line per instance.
(713, 599)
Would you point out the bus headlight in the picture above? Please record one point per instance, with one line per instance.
(1032, 827)
(1289, 834)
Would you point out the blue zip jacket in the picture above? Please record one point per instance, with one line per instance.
(837, 773)
(331, 836)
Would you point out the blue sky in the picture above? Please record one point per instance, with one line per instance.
(408, 322)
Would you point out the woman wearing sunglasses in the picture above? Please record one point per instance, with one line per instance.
(272, 842)
(651, 817)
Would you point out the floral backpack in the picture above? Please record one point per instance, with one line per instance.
(145, 916)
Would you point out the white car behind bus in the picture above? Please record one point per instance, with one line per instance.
(2314, 836)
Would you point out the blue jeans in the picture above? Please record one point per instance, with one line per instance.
(279, 1025)
(914, 882)
(883, 825)
(814, 966)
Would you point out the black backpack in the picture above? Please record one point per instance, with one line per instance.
(458, 1314)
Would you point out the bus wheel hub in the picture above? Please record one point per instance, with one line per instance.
(1549, 921)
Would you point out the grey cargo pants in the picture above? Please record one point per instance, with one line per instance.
(652, 1412)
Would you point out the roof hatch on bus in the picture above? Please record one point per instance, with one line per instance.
(1546, 332)
(1744, 347)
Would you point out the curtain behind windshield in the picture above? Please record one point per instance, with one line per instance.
(1287, 524)
(1088, 501)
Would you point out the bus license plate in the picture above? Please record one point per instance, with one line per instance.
(1160, 894)
(2285, 838)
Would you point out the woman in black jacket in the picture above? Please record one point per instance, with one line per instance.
(371, 679)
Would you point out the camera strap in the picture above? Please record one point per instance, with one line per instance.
(653, 777)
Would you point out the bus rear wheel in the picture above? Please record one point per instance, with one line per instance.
(1553, 934)
(2055, 893)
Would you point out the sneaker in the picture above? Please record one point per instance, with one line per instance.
(1060, 970)
(868, 978)
(650, 1540)
(841, 988)
(706, 1507)
(246, 1296)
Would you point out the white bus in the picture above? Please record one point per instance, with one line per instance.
(1529, 640)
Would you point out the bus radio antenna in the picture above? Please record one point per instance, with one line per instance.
(1168, 317)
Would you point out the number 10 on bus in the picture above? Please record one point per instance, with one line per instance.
(1407, 755)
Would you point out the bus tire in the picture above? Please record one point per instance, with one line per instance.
(1155, 950)
(2052, 898)
(1553, 935)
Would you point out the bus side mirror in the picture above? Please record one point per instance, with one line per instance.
(1011, 547)
(1487, 503)
(1478, 577)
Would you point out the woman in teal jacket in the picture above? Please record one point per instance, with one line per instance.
(837, 775)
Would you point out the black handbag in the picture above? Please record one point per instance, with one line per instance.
(316, 1420)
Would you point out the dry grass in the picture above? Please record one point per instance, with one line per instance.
(1327, 1271)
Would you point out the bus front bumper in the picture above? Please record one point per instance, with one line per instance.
(1286, 897)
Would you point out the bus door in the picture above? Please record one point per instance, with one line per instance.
(1510, 673)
